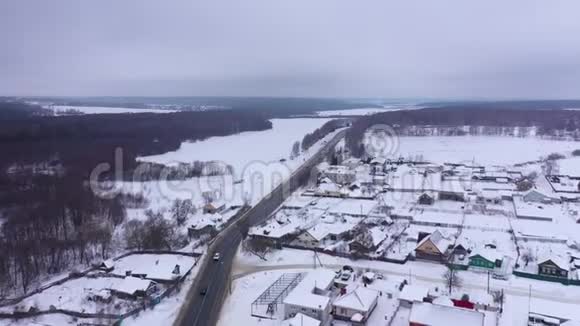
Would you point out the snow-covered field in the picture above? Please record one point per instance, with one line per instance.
(351, 112)
(246, 148)
(570, 166)
(255, 156)
(102, 109)
(365, 111)
(487, 150)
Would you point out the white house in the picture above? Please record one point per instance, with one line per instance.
(330, 189)
(301, 320)
(339, 174)
(427, 314)
(133, 287)
(361, 301)
(411, 294)
(311, 296)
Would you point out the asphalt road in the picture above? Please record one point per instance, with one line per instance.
(204, 310)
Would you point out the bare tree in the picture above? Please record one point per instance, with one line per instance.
(527, 256)
(208, 196)
(181, 210)
(257, 246)
(524, 185)
(451, 278)
(295, 150)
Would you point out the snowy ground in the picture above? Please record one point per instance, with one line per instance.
(246, 149)
(72, 294)
(365, 111)
(102, 109)
(255, 157)
(570, 166)
(255, 277)
(416, 271)
(486, 150)
(165, 312)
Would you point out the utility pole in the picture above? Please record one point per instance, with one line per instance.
(487, 282)
(501, 302)
(530, 300)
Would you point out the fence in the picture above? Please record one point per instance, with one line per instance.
(564, 281)
(72, 276)
(117, 317)
(348, 255)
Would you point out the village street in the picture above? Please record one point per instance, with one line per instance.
(426, 272)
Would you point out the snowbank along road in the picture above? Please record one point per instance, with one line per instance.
(213, 278)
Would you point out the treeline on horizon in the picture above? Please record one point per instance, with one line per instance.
(548, 121)
(51, 218)
(82, 141)
(272, 107)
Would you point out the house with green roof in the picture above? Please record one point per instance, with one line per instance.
(485, 260)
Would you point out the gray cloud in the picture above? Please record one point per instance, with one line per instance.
(444, 48)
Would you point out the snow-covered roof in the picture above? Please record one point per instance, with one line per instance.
(489, 254)
(437, 315)
(338, 169)
(303, 294)
(558, 260)
(379, 160)
(301, 320)
(328, 187)
(360, 299)
(108, 263)
(443, 301)
(557, 309)
(357, 318)
(369, 275)
(216, 204)
(536, 209)
(321, 230)
(440, 242)
(154, 266)
(377, 235)
(130, 285)
(275, 230)
(413, 293)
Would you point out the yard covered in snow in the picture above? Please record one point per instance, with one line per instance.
(487, 150)
(246, 149)
(154, 266)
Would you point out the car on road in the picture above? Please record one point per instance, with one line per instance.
(216, 256)
(345, 275)
(203, 291)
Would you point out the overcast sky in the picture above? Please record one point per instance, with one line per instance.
(405, 48)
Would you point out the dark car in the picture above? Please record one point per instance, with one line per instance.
(203, 291)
